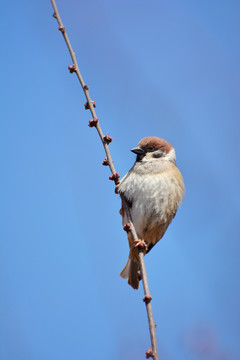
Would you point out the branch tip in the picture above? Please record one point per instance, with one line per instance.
(149, 354)
(93, 122)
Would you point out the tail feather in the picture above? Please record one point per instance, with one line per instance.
(125, 271)
(130, 272)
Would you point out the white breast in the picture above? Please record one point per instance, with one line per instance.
(154, 197)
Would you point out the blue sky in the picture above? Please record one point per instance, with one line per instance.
(163, 68)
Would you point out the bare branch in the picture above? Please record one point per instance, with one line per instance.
(115, 177)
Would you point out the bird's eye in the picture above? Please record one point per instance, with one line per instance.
(150, 148)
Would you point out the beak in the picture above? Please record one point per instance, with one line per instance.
(137, 150)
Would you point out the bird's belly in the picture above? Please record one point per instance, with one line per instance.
(154, 202)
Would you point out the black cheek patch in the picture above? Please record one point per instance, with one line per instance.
(157, 154)
(140, 157)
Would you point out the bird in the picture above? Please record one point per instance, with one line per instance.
(153, 189)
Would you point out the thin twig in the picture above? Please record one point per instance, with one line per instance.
(147, 298)
(115, 177)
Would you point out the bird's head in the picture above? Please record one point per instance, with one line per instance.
(152, 148)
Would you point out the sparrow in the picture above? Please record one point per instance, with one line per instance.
(153, 188)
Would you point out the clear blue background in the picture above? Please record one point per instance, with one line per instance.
(164, 68)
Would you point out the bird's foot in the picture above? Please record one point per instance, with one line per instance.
(139, 245)
(136, 246)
